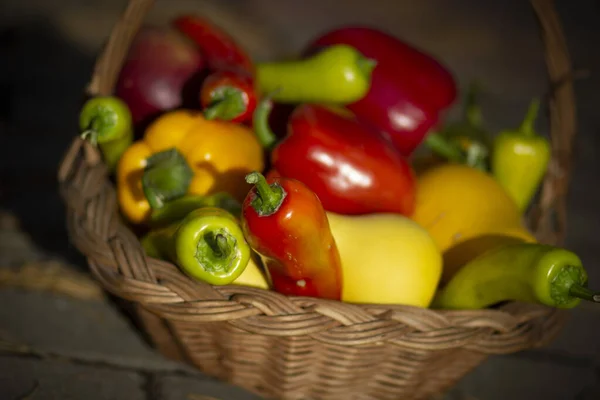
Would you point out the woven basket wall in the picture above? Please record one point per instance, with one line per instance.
(305, 348)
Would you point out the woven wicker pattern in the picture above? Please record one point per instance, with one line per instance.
(303, 348)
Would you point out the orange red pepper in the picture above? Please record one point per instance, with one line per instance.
(285, 223)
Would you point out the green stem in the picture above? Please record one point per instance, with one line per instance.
(260, 122)
(167, 176)
(527, 126)
(366, 65)
(227, 104)
(476, 156)
(584, 293)
(268, 198)
(91, 133)
(444, 148)
(472, 111)
(215, 252)
(219, 245)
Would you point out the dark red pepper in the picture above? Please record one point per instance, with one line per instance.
(219, 48)
(409, 88)
(285, 223)
(228, 95)
(352, 169)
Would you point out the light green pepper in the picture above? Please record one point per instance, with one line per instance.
(208, 245)
(106, 122)
(338, 74)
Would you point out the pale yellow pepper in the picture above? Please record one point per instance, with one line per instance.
(386, 259)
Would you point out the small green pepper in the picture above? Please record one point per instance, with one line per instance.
(338, 74)
(520, 159)
(208, 245)
(526, 272)
(178, 208)
(106, 121)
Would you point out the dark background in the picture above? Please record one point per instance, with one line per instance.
(47, 52)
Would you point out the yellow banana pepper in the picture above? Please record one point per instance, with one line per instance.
(184, 153)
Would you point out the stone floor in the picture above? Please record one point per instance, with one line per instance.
(63, 342)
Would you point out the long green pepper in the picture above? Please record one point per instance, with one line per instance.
(526, 272)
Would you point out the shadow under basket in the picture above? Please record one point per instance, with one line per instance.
(299, 347)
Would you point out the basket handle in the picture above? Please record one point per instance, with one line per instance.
(549, 216)
(111, 59)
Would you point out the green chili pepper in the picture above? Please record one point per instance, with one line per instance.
(526, 272)
(208, 245)
(106, 122)
(338, 74)
(178, 208)
(520, 159)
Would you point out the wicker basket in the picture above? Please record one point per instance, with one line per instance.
(305, 348)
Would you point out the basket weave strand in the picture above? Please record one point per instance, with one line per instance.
(298, 347)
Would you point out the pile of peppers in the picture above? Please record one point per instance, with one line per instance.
(242, 188)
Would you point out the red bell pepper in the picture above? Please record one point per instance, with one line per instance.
(351, 168)
(219, 48)
(285, 223)
(409, 89)
(228, 95)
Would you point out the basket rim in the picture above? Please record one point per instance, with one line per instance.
(117, 260)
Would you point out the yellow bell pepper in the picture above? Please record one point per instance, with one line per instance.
(184, 153)
(456, 202)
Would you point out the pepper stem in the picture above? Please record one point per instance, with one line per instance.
(167, 176)
(527, 126)
(227, 104)
(218, 244)
(216, 251)
(91, 133)
(366, 65)
(584, 293)
(476, 156)
(260, 123)
(444, 147)
(268, 198)
(472, 111)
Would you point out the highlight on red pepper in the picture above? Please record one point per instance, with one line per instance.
(208, 245)
(286, 225)
(228, 95)
(409, 88)
(218, 47)
(350, 167)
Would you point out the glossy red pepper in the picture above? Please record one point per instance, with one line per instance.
(228, 95)
(351, 168)
(219, 48)
(285, 223)
(409, 88)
